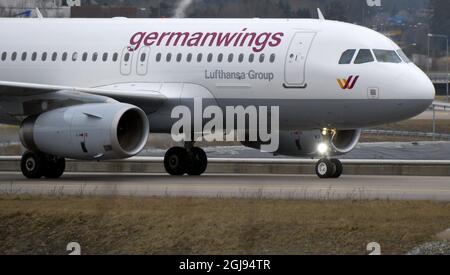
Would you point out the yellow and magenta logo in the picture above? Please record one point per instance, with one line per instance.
(349, 83)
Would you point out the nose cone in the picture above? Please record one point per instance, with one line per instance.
(425, 89)
(416, 85)
(414, 92)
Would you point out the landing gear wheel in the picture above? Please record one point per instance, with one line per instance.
(339, 168)
(55, 167)
(325, 168)
(33, 165)
(198, 162)
(175, 161)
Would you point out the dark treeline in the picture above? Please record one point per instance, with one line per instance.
(440, 19)
(433, 13)
(335, 9)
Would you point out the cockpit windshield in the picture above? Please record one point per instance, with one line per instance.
(403, 56)
(367, 56)
(387, 56)
(347, 57)
(364, 56)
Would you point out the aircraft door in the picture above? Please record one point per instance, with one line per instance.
(297, 55)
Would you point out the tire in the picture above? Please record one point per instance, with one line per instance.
(325, 168)
(339, 168)
(198, 162)
(32, 165)
(175, 161)
(55, 167)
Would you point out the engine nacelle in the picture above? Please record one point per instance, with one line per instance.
(305, 143)
(88, 132)
(344, 141)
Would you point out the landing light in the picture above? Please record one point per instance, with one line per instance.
(323, 148)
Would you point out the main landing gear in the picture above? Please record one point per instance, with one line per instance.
(329, 168)
(38, 165)
(188, 160)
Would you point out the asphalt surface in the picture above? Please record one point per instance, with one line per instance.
(240, 186)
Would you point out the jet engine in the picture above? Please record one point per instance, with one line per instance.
(88, 132)
(308, 143)
(344, 141)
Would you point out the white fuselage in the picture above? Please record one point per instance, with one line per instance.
(299, 71)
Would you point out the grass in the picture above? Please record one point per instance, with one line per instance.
(424, 125)
(45, 225)
(416, 125)
(442, 98)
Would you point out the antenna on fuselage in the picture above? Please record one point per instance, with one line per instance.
(320, 14)
(39, 14)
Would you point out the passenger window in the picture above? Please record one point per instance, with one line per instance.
(126, 58)
(24, 56)
(4, 56)
(199, 57)
(230, 57)
(189, 57)
(241, 58)
(210, 57)
(14, 56)
(54, 56)
(44, 56)
(143, 57)
(64, 56)
(364, 56)
(94, 57)
(74, 56)
(251, 58)
(105, 57)
(179, 57)
(220, 58)
(261, 58)
(386, 56)
(272, 58)
(85, 56)
(158, 57)
(169, 57)
(34, 56)
(347, 56)
(115, 57)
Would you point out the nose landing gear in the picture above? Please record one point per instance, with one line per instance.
(325, 167)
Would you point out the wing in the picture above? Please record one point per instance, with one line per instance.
(19, 100)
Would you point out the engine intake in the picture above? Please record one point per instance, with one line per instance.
(90, 131)
(344, 141)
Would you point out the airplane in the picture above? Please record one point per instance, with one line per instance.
(95, 89)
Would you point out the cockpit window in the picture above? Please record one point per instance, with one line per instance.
(403, 56)
(364, 56)
(387, 56)
(347, 57)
